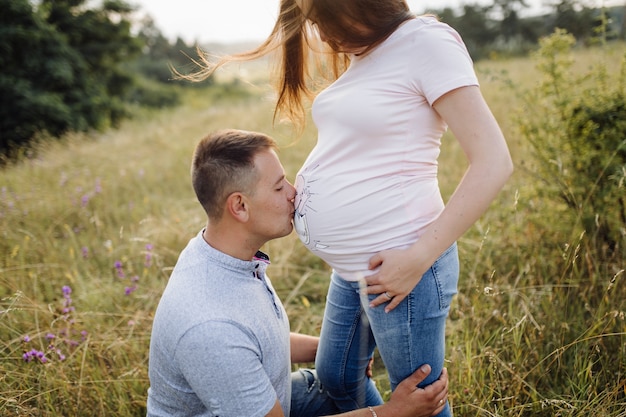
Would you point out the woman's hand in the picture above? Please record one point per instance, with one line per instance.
(399, 271)
(480, 137)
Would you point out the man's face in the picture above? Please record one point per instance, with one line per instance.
(271, 205)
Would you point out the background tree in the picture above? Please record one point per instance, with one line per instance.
(575, 17)
(76, 64)
(509, 13)
(102, 37)
(61, 67)
(155, 82)
(40, 73)
(475, 26)
(153, 61)
(160, 57)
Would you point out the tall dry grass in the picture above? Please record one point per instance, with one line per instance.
(105, 216)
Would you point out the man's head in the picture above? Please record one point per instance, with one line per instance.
(238, 172)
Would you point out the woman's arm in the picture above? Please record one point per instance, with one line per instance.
(472, 123)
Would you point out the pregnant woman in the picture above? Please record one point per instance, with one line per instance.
(368, 200)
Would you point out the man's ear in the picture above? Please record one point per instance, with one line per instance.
(238, 207)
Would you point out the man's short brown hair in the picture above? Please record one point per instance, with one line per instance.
(223, 163)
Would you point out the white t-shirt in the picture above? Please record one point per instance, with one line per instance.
(370, 183)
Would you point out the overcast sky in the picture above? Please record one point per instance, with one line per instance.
(241, 20)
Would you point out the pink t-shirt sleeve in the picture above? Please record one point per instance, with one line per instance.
(447, 64)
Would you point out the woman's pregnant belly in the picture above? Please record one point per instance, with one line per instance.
(345, 222)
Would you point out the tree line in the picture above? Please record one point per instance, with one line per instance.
(70, 65)
(499, 28)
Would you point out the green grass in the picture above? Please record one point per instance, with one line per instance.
(538, 327)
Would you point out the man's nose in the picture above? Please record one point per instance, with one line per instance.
(292, 192)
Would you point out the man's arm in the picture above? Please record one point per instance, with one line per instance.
(410, 401)
(303, 347)
(276, 411)
(406, 401)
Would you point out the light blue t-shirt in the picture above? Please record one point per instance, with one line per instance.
(220, 339)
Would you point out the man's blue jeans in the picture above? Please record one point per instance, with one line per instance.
(308, 397)
(407, 337)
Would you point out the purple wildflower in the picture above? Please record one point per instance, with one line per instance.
(34, 353)
(85, 251)
(148, 261)
(26, 338)
(118, 268)
(67, 302)
(66, 291)
(58, 352)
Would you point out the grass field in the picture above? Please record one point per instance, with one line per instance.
(92, 226)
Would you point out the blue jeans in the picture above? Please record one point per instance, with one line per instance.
(407, 337)
(308, 397)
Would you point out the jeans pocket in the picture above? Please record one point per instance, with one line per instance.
(445, 272)
(309, 378)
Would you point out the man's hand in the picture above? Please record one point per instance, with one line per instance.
(368, 372)
(409, 400)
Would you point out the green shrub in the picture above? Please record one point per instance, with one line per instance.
(576, 125)
(151, 94)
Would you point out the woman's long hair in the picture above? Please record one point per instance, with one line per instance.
(346, 23)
